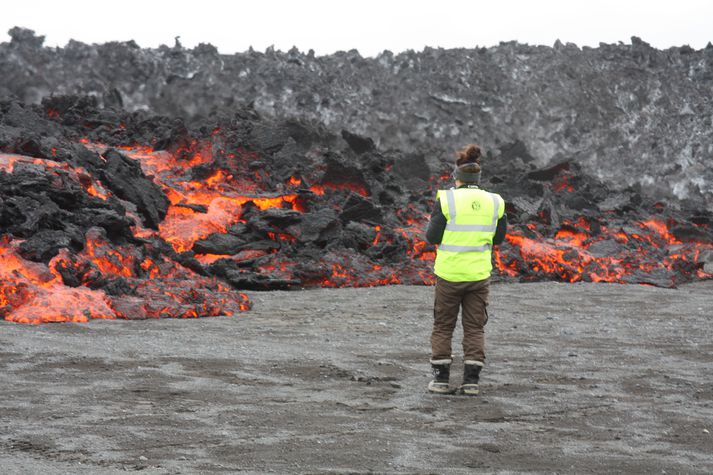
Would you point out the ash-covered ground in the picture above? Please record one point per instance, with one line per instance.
(580, 378)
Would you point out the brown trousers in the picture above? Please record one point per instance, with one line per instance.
(472, 297)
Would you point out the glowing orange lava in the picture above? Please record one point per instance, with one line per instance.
(566, 255)
(33, 293)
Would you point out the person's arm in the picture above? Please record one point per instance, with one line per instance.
(436, 226)
(500, 230)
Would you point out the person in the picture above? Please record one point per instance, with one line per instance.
(465, 223)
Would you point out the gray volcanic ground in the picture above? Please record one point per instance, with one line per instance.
(580, 378)
(628, 113)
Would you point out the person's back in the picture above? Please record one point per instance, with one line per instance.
(465, 224)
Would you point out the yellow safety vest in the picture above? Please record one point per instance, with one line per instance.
(472, 214)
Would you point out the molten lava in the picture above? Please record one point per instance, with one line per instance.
(34, 293)
(648, 248)
(229, 224)
(37, 293)
(563, 256)
(103, 280)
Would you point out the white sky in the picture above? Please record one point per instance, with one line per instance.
(370, 26)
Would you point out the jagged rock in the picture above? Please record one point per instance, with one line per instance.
(320, 226)
(358, 235)
(34, 199)
(253, 281)
(706, 258)
(549, 173)
(608, 247)
(124, 177)
(43, 245)
(357, 208)
(609, 108)
(219, 243)
(358, 143)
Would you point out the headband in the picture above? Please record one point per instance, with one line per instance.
(466, 177)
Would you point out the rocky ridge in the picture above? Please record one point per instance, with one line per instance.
(628, 113)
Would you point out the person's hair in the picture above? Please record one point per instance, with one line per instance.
(469, 154)
(468, 163)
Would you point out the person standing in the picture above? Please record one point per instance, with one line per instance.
(466, 223)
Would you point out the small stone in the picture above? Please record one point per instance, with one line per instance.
(705, 431)
(142, 458)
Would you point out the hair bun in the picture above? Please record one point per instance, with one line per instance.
(469, 154)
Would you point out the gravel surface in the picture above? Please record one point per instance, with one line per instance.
(580, 378)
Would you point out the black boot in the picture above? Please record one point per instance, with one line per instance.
(441, 375)
(471, 376)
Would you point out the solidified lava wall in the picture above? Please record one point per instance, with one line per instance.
(626, 113)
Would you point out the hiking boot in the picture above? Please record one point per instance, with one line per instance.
(441, 375)
(471, 376)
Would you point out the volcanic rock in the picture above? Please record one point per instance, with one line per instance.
(707, 258)
(609, 108)
(358, 143)
(124, 177)
(358, 235)
(265, 203)
(219, 243)
(320, 227)
(253, 281)
(35, 198)
(45, 244)
(357, 208)
(608, 247)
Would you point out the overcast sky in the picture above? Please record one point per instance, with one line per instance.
(370, 26)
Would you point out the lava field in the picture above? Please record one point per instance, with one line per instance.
(106, 213)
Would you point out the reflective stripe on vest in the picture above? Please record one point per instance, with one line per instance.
(452, 226)
(452, 248)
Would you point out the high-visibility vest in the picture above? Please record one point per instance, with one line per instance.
(464, 254)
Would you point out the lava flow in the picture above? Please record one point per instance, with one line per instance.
(214, 205)
(107, 283)
(115, 215)
(102, 280)
(644, 252)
